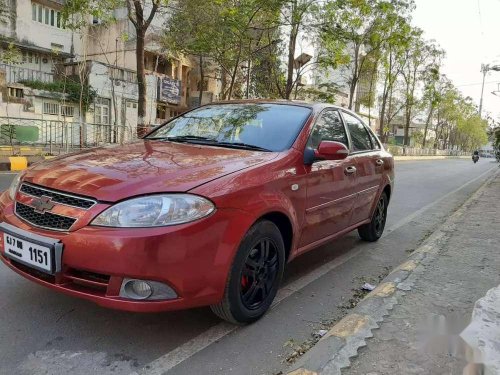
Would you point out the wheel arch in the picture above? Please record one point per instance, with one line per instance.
(284, 224)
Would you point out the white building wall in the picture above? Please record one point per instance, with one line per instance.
(39, 34)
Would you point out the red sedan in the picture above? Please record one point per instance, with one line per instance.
(205, 210)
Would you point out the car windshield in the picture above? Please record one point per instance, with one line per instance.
(265, 127)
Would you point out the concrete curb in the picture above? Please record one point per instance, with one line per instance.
(428, 157)
(333, 352)
(19, 163)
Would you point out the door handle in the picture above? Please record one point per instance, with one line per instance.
(379, 162)
(350, 170)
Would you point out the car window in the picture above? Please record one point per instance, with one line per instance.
(328, 127)
(374, 139)
(359, 135)
(270, 126)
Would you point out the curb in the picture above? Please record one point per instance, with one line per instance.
(19, 163)
(333, 352)
(428, 157)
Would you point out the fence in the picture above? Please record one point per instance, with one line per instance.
(55, 137)
(413, 151)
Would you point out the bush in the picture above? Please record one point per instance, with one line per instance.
(70, 89)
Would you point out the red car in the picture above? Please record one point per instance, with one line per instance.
(205, 210)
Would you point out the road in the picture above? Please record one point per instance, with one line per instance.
(42, 332)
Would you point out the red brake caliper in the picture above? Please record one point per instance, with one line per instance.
(244, 281)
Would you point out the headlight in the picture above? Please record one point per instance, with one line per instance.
(155, 211)
(14, 186)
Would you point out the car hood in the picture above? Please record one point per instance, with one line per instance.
(144, 167)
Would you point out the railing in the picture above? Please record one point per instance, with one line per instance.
(414, 151)
(14, 74)
(55, 137)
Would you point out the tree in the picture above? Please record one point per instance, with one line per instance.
(356, 31)
(222, 31)
(139, 13)
(392, 64)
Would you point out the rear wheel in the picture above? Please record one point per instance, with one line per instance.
(373, 230)
(255, 275)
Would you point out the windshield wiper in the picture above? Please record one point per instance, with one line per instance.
(184, 138)
(212, 142)
(242, 145)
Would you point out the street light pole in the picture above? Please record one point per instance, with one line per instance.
(485, 68)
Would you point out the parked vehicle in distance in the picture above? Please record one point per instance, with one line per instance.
(205, 210)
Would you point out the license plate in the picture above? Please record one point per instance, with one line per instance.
(29, 253)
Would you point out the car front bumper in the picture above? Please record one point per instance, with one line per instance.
(192, 259)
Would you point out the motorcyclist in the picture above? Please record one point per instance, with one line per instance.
(475, 156)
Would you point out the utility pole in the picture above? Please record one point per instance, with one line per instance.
(485, 68)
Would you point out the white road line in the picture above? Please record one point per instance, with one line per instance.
(200, 342)
(180, 354)
(414, 215)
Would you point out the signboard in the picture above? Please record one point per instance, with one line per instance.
(170, 90)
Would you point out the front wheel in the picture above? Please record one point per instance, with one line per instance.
(255, 275)
(372, 231)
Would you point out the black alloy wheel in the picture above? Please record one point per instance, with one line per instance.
(372, 231)
(259, 274)
(255, 275)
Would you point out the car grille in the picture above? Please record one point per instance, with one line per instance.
(46, 220)
(66, 199)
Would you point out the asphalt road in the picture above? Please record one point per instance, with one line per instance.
(42, 332)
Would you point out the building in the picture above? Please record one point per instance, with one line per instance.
(43, 63)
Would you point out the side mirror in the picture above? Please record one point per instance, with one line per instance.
(330, 150)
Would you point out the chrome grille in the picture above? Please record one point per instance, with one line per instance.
(46, 220)
(61, 198)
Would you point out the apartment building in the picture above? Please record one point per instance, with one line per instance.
(36, 105)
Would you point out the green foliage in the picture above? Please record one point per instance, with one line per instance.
(325, 93)
(225, 32)
(11, 55)
(67, 90)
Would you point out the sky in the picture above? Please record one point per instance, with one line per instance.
(469, 32)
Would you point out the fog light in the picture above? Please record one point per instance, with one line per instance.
(137, 289)
(146, 290)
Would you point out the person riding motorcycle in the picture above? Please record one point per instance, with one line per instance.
(475, 156)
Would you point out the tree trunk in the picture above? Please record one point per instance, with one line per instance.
(429, 118)
(141, 83)
(355, 77)
(292, 44)
(202, 82)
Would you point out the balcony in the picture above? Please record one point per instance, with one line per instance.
(14, 74)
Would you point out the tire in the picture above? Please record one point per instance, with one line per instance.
(372, 231)
(254, 278)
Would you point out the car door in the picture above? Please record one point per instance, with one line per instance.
(369, 164)
(330, 186)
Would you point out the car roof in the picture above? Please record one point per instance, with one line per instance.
(299, 103)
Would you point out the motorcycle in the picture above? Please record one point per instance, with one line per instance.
(475, 158)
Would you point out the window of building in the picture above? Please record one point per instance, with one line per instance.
(102, 111)
(67, 110)
(15, 92)
(359, 135)
(50, 108)
(131, 77)
(162, 111)
(46, 15)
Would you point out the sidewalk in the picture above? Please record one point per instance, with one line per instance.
(418, 320)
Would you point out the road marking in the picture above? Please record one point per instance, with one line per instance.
(414, 215)
(175, 357)
(180, 354)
